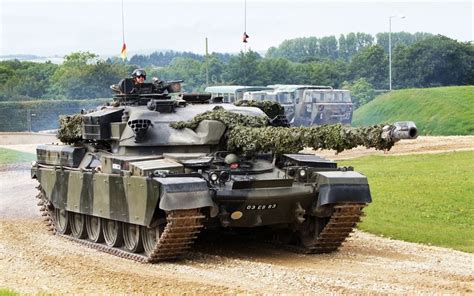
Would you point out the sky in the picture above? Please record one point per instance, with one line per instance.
(55, 27)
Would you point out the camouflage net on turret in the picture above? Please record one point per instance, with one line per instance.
(70, 129)
(251, 134)
(271, 108)
(230, 119)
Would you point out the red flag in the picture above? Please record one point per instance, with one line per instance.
(123, 53)
(245, 37)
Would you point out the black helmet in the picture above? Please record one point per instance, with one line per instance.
(138, 72)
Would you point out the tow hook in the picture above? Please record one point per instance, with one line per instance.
(224, 217)
(299, 213)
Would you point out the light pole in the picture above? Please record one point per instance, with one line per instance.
(390, 48)
(29, 115)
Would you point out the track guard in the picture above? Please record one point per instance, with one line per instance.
(178, 193)
(342, 187)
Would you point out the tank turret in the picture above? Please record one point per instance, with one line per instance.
(142, 177)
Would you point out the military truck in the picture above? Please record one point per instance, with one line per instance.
(317, 105)
(232, 93)
(323, 106)
(285, 99)
(142, 177)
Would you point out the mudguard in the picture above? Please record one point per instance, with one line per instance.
(342, 187)
(178, 193)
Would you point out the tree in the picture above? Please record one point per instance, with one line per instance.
(186, 69)
(343, 51)
(84, 75)
(215, 69)
(243, 69)
(434, 61)
(362, 92)
(370, 63)
(400, 38)
(328, 47)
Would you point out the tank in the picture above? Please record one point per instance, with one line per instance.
(142, 177)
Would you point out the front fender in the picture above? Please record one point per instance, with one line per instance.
(181, 193)
(342, 187)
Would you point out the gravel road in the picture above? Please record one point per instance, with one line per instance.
(34, 261)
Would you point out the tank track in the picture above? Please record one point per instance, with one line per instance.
(182, 228)
(45, 209)
(340, 225)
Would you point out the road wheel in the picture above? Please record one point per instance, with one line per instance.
(61, 221)
(131, 238)
(150, 237)
(78, 225)
(94, 229)
(112, 233)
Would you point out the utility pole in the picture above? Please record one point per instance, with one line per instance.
(207, 64)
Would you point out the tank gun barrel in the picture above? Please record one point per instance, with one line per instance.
(401, 130)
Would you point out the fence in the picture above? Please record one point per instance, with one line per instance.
(42, 114)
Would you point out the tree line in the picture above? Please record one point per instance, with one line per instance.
(418, 60)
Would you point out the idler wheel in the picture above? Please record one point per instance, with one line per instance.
(112, 233)
(94, 229)
(61, 221)
(78, 225)
(131, 238)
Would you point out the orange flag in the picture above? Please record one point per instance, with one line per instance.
(123, 53)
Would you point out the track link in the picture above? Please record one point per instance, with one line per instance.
(179, 233)
(341, 223)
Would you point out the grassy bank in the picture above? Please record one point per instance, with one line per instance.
(421, 198)
(436, 111)
(12, 156)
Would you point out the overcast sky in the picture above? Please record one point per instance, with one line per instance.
(59, 27)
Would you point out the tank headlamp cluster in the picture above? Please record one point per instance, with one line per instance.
(219, 177)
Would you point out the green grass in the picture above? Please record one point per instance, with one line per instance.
(7, 292)
(12, 156)
(436, 111)
(426, 198)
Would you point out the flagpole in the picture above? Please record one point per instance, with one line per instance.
(123, 52)
(245, 24)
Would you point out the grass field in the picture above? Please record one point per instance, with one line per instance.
(7, 292)
(426, 198)
(436, 111)
(12, 156)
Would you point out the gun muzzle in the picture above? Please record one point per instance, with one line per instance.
(405, 130)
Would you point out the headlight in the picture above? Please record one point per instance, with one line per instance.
(302, 173)
(224, 176)
(213, 177)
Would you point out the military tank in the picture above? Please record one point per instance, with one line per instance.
(142, 177)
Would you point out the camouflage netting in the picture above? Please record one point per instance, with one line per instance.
(249, 134)
(291, 140)
(271, 108)
(70, 129)
(230, 119)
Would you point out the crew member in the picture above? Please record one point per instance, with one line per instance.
(139, 76)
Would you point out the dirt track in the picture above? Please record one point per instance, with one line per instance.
(32, 260)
